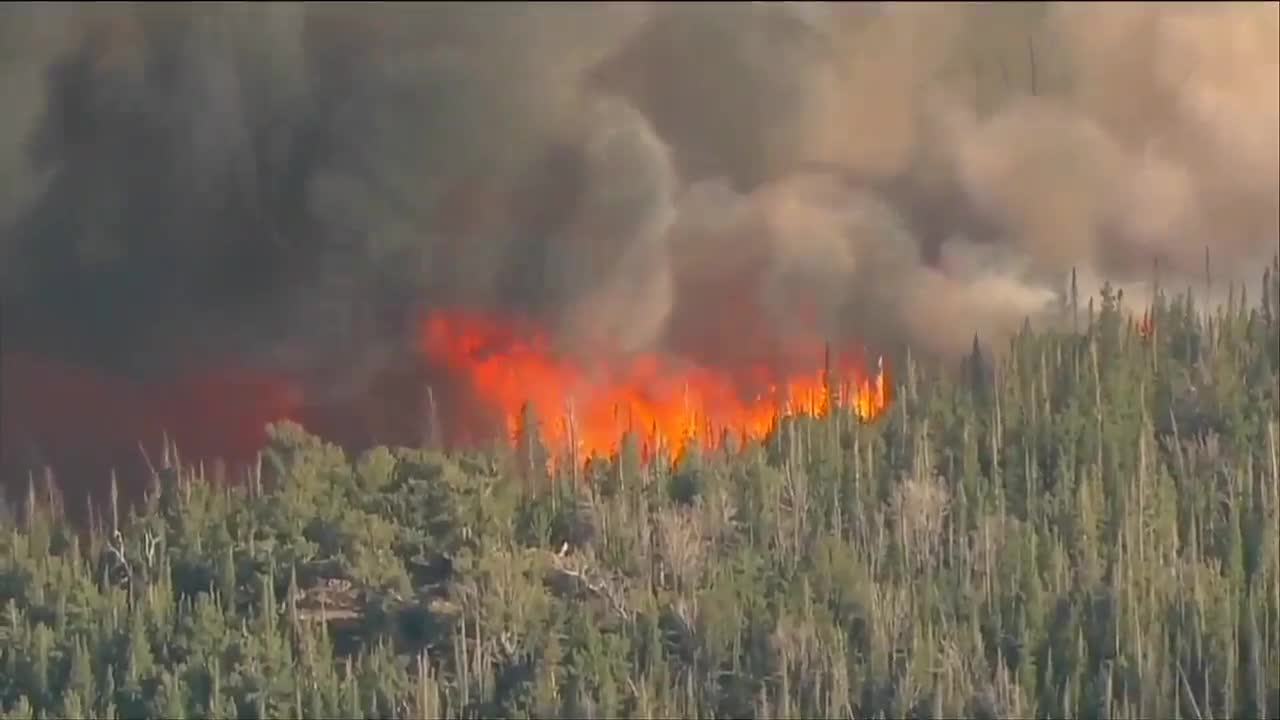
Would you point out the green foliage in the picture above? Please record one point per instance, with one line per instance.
(1080, 524)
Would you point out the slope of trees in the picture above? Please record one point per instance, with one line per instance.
(1085, 527)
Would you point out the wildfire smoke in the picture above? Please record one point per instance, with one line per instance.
(664, 187)
(84, 424)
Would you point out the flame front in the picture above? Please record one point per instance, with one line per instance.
(583, 409)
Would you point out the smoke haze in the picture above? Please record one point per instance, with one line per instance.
(286, 184)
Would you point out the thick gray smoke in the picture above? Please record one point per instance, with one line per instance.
(183, 180)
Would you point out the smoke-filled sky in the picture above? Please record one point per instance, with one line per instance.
(284, 181)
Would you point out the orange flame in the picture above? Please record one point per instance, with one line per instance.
(1147, 326)
(584, 409)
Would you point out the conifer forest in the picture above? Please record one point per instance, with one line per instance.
(1086, 528)
(640, 360)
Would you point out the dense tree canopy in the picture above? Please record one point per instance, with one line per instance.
(1082, 524)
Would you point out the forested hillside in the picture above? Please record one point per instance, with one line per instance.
(1081, 524)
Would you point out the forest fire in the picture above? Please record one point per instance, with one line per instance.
(1147, 325)
(490, 376)
(84, 424)
(583, 409)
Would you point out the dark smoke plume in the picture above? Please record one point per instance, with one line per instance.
(282, 186)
